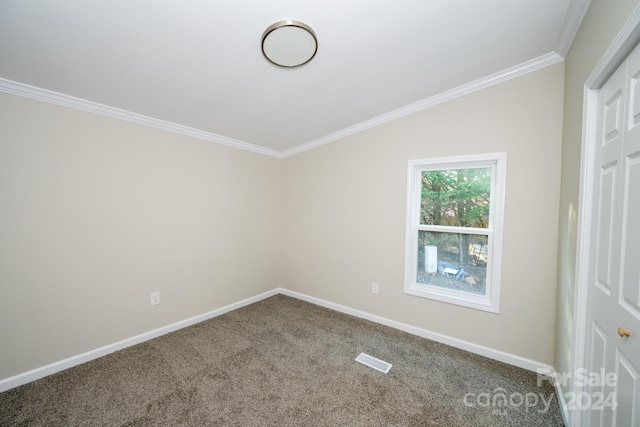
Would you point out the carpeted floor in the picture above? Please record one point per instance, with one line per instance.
(284, 362)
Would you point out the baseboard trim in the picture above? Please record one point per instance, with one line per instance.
(35, 374)
(564, 409)
(501, 356)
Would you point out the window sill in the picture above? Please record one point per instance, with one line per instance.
(465, 299)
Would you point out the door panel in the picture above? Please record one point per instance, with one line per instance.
(598, 346)
(598, 355)
(614, 270)
(627, 392)
(630, 290)
(605, 224)
(612, 128)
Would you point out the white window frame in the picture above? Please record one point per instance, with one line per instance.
(498, 164)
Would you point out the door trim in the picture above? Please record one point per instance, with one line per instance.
(622, 45)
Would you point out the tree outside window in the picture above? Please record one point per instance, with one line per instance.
(454, 211)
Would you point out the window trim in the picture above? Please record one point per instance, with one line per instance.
(491, 300)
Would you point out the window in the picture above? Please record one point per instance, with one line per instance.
(454, 229)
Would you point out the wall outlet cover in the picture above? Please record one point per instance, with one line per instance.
(155, 298)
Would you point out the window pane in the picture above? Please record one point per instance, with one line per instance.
(453, 261)
(456, 197)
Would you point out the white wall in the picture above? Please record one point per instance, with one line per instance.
(603, 21)
(344, 213)
(96, 213)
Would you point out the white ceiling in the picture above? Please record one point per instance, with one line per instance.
(197, 66)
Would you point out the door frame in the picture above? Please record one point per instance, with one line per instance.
(622, 45)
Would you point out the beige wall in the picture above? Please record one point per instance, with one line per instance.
(344, 213)
(602, 23)
(96, 213)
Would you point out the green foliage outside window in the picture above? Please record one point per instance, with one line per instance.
(458, 198)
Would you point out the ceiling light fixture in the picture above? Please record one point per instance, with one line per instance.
(289, 44)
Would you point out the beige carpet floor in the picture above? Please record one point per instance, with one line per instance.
(284, 362)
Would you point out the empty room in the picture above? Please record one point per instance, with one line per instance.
(291, 213)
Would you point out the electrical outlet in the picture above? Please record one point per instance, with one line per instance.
(155, 298)
(374, 287)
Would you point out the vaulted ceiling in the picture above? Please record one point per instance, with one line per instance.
(196, 66)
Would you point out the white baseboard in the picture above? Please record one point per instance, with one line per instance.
(551, 376)
(501, 356)
(26, 377)
(563, 405)
(564, 409)
(35, 374)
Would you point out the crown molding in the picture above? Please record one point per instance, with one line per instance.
(45, 95)
(466, 89)
(572, 20)
(28, 91)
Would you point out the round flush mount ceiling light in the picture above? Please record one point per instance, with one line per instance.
(289, 43)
